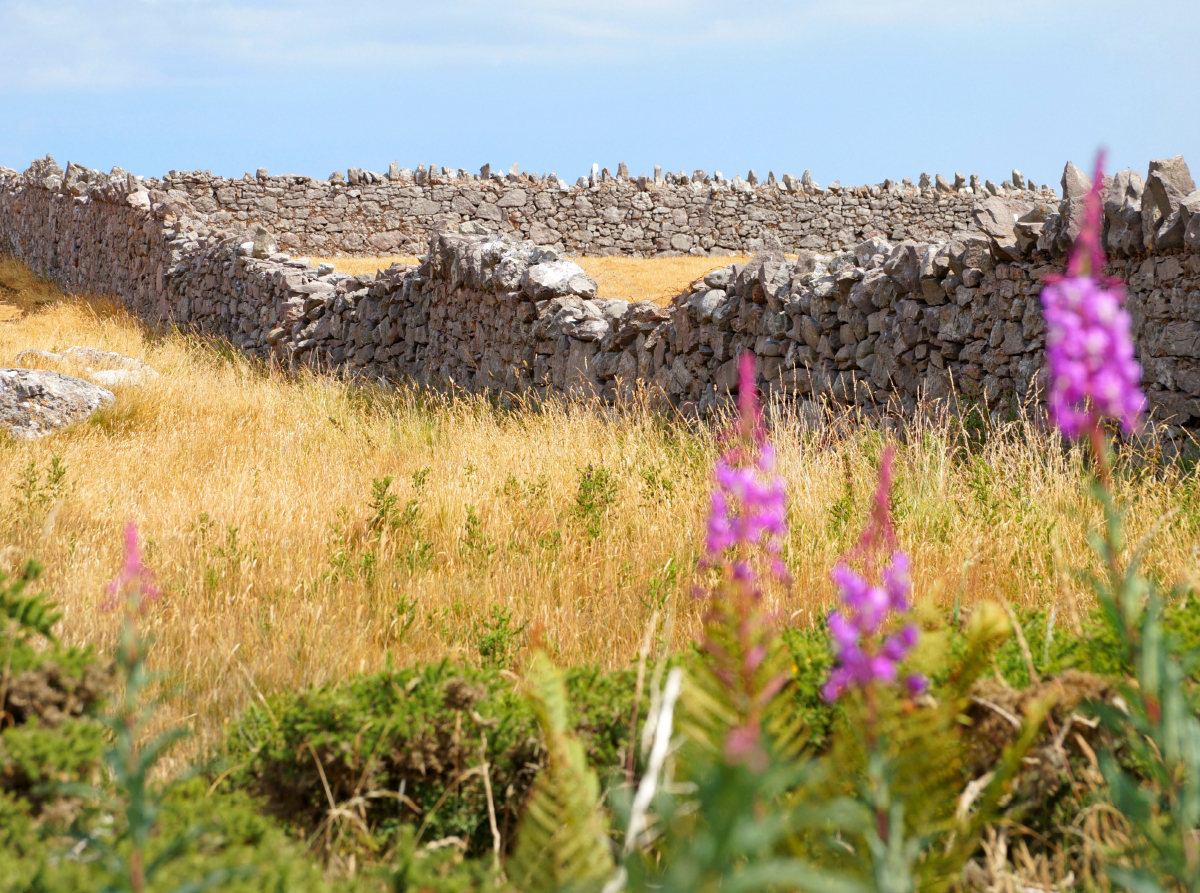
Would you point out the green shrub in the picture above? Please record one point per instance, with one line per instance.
(36, 760)
(404, 747)
(233, 834)
(41, 681)
(595, 495)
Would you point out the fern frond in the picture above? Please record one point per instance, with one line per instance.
(562, 843)
(31, 613)
(708, 712)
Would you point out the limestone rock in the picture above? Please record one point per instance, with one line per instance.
(1123, 213)
(1168, 183)
(998, 217)
(904, 266)
(37, 402)
(1030, 226)
(872, 251)
(1075, 183)
(264, 244)
(103, 367)
(1191, 209)
(514, 198)
(703, 304)
(718, 278)
(560, 277)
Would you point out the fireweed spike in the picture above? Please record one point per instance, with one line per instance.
(747, 523)
(865, 655)
(1091, 372)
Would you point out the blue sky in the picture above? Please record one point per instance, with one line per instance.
(855, 90)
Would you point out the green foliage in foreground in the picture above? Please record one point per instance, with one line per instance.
(39, 855)
(356, 762)
(563, 843)
(460, 779)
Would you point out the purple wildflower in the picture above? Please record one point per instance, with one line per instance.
(749, 504)
(135, 580)
(864, 656)
(1089, 348)
(747, 522)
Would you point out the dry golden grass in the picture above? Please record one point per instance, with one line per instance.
(252, 492)
(20, 290)
(359, 266)
(656, 279)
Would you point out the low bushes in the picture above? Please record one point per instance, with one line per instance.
(358, 760)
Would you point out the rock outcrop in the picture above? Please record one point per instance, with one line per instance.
(37, 402)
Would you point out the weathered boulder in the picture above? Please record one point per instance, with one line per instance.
(559, 277)
(1123, 212)
(703, 304)
(904, 266)
(1191, 209)
(1030, 226)
(873, 250)
(37, 402)
(264, 243)
(1075, 185)
(104, 367)
(1168, 183)
(572, 317)
(998, 217)
(971, 256)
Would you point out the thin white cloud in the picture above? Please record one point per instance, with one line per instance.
(76, 45)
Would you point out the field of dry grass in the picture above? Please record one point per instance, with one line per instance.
(656, 279)
(360, 266)
(283, 566)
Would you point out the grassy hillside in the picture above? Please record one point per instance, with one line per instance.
(261, 496)
(304, 528)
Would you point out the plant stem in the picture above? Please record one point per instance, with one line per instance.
(1100, 453)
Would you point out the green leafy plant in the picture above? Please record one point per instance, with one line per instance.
(562, 840)
(883, 803)
(423, 732)
(37, 490)
(496, 637)
(25, 615)
(382, 504)
(475, 542)
(1159, 727)
(595, 494)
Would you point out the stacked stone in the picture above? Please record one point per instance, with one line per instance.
(370, 214)
(884, 323)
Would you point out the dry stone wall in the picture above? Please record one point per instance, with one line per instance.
(881, 324)
(372, 214)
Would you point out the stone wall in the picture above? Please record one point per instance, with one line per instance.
(881, 324)
(373, 214)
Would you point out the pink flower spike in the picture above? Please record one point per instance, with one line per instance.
(748, 408)
(1091, 371)
(135, 577)
(866, 654)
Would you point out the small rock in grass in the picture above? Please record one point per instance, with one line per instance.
(37, 402)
